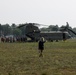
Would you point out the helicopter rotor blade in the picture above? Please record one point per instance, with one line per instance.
(35, 24)
(22, 25)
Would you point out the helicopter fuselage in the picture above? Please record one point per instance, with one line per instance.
(51, 36)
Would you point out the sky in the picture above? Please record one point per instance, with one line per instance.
(47, 12)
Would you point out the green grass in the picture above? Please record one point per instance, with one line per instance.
(59, 58)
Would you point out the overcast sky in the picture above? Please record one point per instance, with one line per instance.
(48, 12)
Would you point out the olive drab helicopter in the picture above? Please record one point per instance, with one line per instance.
(32, 31)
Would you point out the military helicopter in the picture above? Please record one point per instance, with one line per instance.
(32, 31)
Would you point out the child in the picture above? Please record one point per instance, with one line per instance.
(41, 46)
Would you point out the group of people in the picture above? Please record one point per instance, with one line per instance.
(5, 39)
(13, 39)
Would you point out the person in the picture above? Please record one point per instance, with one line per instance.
(41, 46)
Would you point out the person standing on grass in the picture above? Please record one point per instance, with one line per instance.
(41, 46)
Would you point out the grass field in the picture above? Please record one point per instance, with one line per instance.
(59, 58)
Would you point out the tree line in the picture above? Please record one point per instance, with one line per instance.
(7, 29)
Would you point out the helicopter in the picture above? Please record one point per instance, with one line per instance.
(33, 32)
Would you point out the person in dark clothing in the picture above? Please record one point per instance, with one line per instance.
(41, 46)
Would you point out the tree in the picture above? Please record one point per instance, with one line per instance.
(74, 29)
(0, 27)
(0, 30)
(17, 32)
(55, 28)
(51, 28)
(6, 29)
